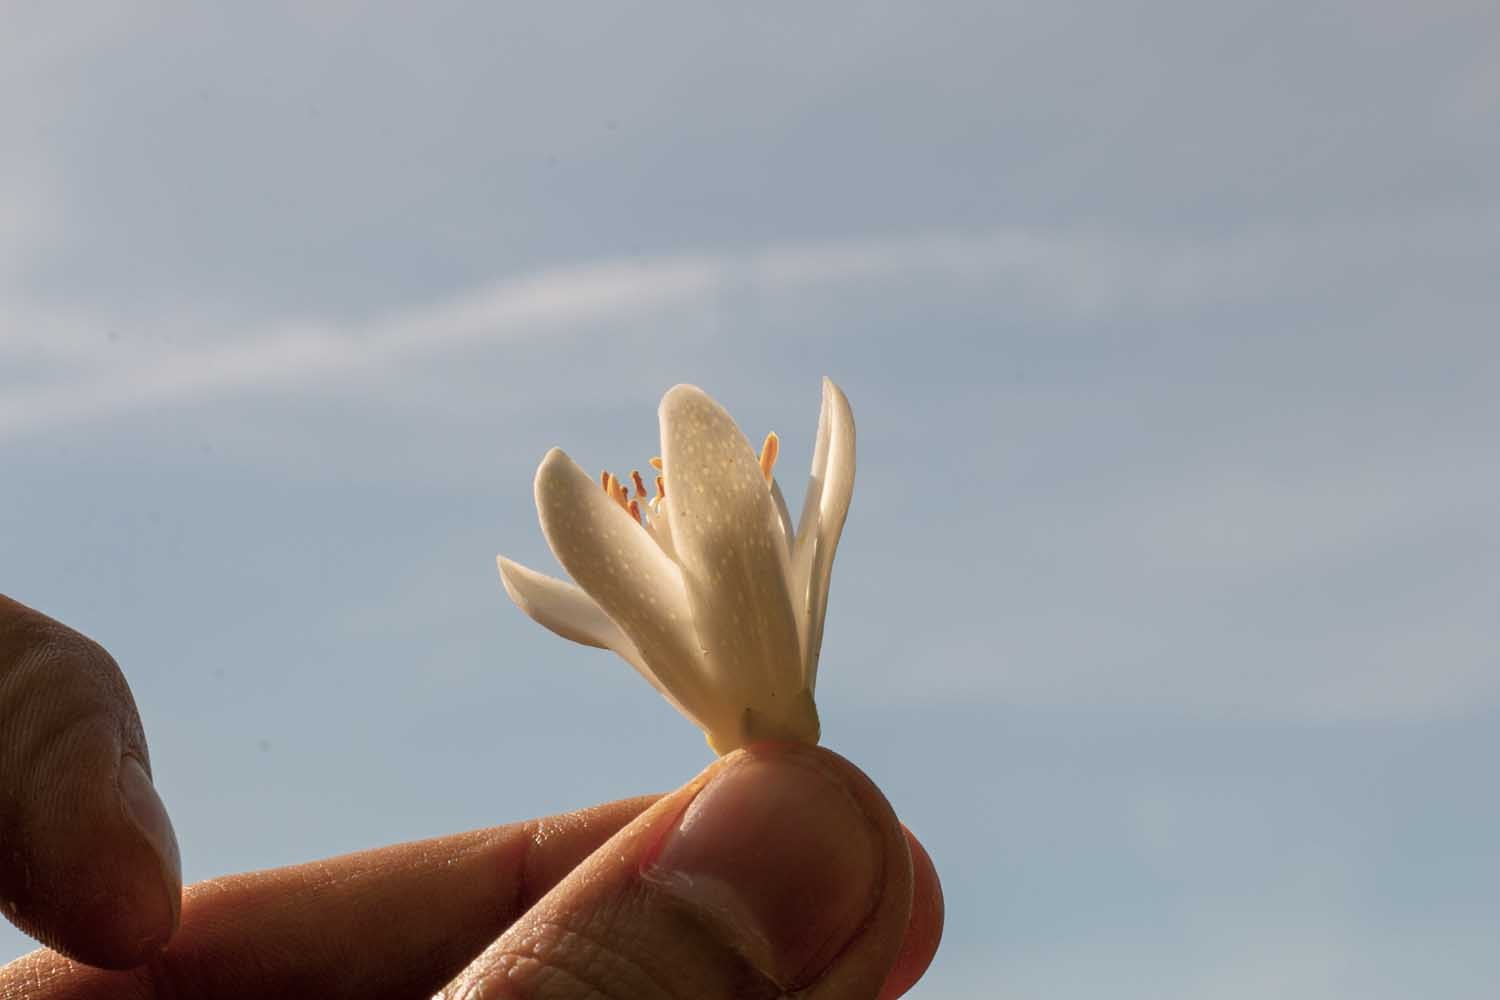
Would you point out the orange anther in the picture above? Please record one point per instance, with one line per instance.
(656, 463)
(640, 484)
(635, 511)
(768, 452)
(616, 491)
(661, 487)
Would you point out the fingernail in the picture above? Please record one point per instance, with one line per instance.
(145, 809)
(778, 857)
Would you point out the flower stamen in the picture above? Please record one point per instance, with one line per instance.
(637, 504)
(614, 490)
(633, 505)
(768, 453)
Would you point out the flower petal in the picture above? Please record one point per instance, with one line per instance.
(659, 527)
(560, 606)
(564, 608)
(829, 490)
(734, 564)
(627, 575)
(783, 518)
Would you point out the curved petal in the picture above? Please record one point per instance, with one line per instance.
(783, 521)
(734, 564)
(627, 575)
(659, 527)
(560, 606)
(564, 608)
(830, 487)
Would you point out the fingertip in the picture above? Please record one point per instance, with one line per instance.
(144, 808)
(110, 898)
(779, 868)
(780, 856)
(924, 931)
(90, 865)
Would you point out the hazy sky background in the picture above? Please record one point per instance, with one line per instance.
(1166, 612)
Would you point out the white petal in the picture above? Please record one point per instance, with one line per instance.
(628, 576)
(659, 527)
(560, 606)
(788, 539)
(829, 490)
(565, 609)
(734, 564)
(783, 517)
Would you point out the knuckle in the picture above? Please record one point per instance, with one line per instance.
(557, 960)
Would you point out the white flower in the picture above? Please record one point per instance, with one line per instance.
(704, 589)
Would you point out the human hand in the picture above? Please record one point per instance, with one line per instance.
(88, 858)
(779, 866)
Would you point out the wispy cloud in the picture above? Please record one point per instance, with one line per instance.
(1076, 274)
(1072, 272)
(302, 351)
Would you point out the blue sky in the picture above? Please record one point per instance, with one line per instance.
(1165, 613)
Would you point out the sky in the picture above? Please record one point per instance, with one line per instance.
(1166, 609)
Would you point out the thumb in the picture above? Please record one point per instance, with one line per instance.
(780, 868)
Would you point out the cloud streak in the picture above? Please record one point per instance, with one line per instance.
(312, 351)
(1078, 275)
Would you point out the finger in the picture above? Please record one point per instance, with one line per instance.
(88, 858)
(925, 928)
(394, 922)
(779, 869)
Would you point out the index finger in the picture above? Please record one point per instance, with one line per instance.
(88, 858)
(392, 922)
